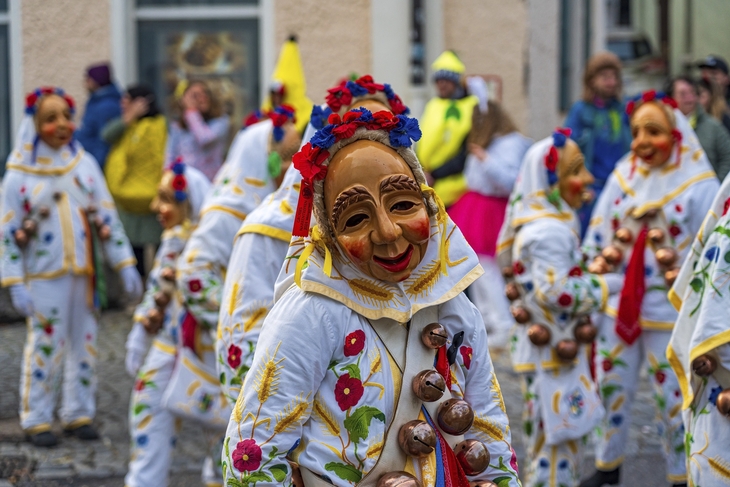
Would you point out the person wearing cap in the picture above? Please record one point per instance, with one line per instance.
(714, 138)
(716, 69)
(446, 122)
(598, 124)
(103, 105)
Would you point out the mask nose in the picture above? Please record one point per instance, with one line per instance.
(385, 231)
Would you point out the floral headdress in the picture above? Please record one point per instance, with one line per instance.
(668, 102)
(279, 116)
(560, 138)
(255, 117)
(345, 93)
(32, 99)
(179, 182)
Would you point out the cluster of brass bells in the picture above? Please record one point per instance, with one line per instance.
(455, 416)
(539, 335)
(152, 322)
(566, 350)
(473, 456)
(585, 331)
(29, 228)
(667, 258)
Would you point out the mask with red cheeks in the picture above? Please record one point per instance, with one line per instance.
(170, 212)
(53, 121)
(574, 179)
(652, 132)
(376, 210)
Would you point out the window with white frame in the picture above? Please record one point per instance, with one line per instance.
(5, 115)
(212, 40)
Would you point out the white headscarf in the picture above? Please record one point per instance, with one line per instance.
(198, 187)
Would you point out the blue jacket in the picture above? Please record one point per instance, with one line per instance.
(103, 105)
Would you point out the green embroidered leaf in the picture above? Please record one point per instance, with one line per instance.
(225, 447)
(502, 481)
(273, 452)
(85, 381)
(233, 482)
(138, 408)
(236, 381)
(47, 350)
(618, 361)
(242, 370)
(609, 389)
(343, 471)
(528, 428)
(696, 284)
(722, 231)
(727, 257)
(279, 471)
(353, 370)
(256, 477)
(223, 378)
(358, 424)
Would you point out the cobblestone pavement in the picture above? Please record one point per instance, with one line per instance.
(103, 463)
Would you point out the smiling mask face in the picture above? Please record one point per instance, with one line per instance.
(574, 179)
(376, 210)
(53, 121)
(652, 132)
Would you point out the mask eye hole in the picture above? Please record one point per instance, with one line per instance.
(355, 220)
(402, 206)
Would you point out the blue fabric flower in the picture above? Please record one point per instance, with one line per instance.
(648, 271)
(142, 440)
(389, 93)
(181, 196)
(712, 253)
(714, 393)
(544, 463)
(38, 374)
(559, 139)
(84, 365)
(278, 134)
(319, 116)
(406, 130)
(356, 89)
(323, 138)
(528, 286)
(365, 114)
(48, 237)
(178, 168)
(552, 177)
(563, 464)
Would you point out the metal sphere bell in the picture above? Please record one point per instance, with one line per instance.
(429, 386)
(599, 266)
(154, 320)
(585, 332)
(30, 226)
(704, 365)
(567, 349)
(21, 238)
(656, 235)
(434, 336)
(417, 438)
(520, 314)
(666, 256)
(670, 276)
(105, 233)
(398, 479)
(168, 274)
(612, 254)
(508, 272)
(539, 335)
(44, 211)
(455, 416)
(723, 402)
(473, 456)
(623, 235)
(162, 299)
(512, 291)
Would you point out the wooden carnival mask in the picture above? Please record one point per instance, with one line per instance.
(170, 211)
(53, 121)
(376, 210)
(652, 132)
(574, 179)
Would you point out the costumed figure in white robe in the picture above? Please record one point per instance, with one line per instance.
(699, 350)
(373, 369)
(155, 339)
(553, 297)
(642, 226)
(59, 224)
(263, 240)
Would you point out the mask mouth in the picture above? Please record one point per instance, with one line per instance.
(587, 195)
(396, 264)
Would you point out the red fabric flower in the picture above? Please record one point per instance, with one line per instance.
(47, 90)
(677, 136)
(354, 343)
(575, 272)
(350, 116)
(466, 354)
(649, 95)
(551, 159)
(607, 365)
(179, 183)
(31, 100)
(138, 385)
(630, 106)
(726, 207)
(48, 329)
(308, 161)
(660, 376)
(234, 356)
(615, 223)
(279, 119)
(247, 456)
(334, 119)
(518, 268)
(344, 131)
(338, 97)
(397, 105)
(668, 100)
(383, 120)
(195, 285)
(565, 299)
(674, 230)
(348, 391)
(368, 83)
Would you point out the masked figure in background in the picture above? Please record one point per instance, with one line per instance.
(553, 298)
(699, 350)
(399, 371)
(642, 226)
(495, 152)
(446, 122)
(59, 223)
(263, 240)
(152, 428)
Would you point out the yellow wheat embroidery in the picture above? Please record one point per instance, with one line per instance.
(238, 408)
(675, 410)
(286, 207)
(719, 467)
(573, 446)
(497, 391)
(556, 402)
(237, 190)
(291, 416)
(296, 186)
(585, 381)
(329, 424)
(267, 378)
(376, 362)
(539, 444)
(8, 216)
(257, 315)
(255, 182)
(233, 299)
(697, 154)
(145, 422)
(370, 291)
(424, 280)
(488, 427)
(618, 403)
(374, 450)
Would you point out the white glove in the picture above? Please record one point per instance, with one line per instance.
(138, 342)
(22, 302)
(132, 282)
(614, 282)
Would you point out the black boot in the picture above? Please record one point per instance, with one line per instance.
(45, 439)
(84, 432)
(601, 478)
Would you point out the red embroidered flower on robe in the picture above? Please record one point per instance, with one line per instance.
(247, 456)
(234, 356)
(674, 230)
(565, 299)
(518, 268)
(575, 272)
(195, 285)
(348, 391)
(354, 343)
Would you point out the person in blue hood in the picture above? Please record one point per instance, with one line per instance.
(103, 105)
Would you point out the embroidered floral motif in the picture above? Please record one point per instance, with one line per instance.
(354, 343)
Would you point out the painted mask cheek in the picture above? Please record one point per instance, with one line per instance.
(358, 248)
(575, 186)
(418, 228)
(49, 129)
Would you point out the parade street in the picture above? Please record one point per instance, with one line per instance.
(103, 463)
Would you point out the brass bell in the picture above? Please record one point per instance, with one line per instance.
(57, 195)
(539, 335)
(704, 365)
(162, 299)
(585, 332)
(91, 210)
(512, 291)
(666, 256)
(599, 266)
(429, 386)
(21, 238)
(398, 479)
(417, 438)
(154, 319)
(104, 233)
(623, 235)
(670, 276)
(434, 336)
(723, 402)
(612, 254)
(30, 226)
(168, 274)
(508, 272)
(455, 416)
(473, 456)
(656, 235)
(567, 349)
(44, 211)
(520, 314)
(650, 214)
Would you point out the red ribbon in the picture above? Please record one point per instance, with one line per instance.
(632, 294)
(303, 216)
